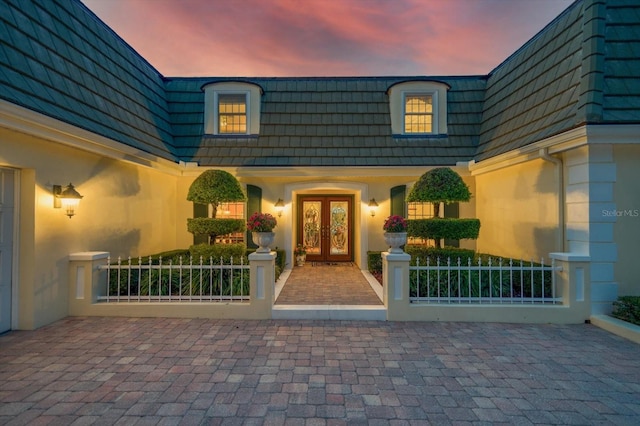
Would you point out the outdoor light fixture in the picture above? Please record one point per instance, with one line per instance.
(373, 206)
(279, 205)
(68, 199)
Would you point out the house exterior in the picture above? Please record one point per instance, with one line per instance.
(548, 142)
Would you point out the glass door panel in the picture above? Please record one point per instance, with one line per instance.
(325, 228)
(339, 227)
(312, 223)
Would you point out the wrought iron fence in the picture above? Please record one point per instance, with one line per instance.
(516, 282)
(157, 281)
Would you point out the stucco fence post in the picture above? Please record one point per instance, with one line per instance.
(262, 283)
(573, 284)
(87, 282)
(395, 284)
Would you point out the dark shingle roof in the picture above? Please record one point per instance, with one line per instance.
(534, 94)
(621, 98)
(59, 59)
(329, 121)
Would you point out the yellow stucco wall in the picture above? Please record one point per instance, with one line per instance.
(626, 229)
(126, 210)
(518, 210)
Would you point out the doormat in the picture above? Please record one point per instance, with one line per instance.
(331, 263)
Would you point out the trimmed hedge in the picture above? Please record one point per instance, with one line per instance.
(434, 253)
(213, 227)
(438, 228)
(627, 308)
(217, 251)
(374, 261)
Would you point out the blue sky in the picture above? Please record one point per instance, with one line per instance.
(326, 37)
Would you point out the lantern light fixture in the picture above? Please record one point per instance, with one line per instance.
(373, 207)
(279, 206)
(67, 198)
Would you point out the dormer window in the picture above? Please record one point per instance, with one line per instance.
(232, 108)
(232, 113)
(418, 113)
(418, 108)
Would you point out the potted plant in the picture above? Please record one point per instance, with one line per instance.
(261, 226)
(300, 254)
(395, 235)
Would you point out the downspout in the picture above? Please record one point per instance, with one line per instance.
(544, 155)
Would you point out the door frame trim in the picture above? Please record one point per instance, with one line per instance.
(325, 215)
(360, 192)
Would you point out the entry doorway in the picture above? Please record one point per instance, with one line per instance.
(325, 227)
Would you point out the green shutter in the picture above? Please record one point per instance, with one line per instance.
(397, 196)
(200, 210)
(254, 204)
(452, 210)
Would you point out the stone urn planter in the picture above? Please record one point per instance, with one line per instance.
(263, 240)
(301, 259)
(395, 240)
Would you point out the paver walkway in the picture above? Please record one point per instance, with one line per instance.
(195, 371)
(339, 284)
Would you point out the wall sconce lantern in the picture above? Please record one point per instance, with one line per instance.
(373, 207)
(279, 205)
(68, 199)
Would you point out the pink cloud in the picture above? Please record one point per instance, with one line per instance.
(325, 37)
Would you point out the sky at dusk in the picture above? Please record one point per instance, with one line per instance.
(265, 38)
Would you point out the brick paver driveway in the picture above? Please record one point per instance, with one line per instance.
(178, 371)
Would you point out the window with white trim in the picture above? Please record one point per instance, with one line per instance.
(232, 108)
(232, 113)
(421, 210)
(418, 108)
(418, 113)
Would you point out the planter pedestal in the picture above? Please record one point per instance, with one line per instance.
(395, 240)
(263, 240)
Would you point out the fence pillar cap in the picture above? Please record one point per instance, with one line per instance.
(89, 255)
(570, 257)
(262, 256)
(396, 256)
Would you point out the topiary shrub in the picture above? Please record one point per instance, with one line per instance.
(433, 253)
(210, 226)
(438, 228)
(215, 187)
(441, 185)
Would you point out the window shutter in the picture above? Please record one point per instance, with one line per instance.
(397, 196)
(200, 210)
(254, 204)
(452, 210)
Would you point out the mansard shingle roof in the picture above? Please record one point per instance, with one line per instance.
(58, 59)
(333, 121)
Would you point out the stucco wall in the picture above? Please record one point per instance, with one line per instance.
(126, 210)
(626, 228)
(518, 210)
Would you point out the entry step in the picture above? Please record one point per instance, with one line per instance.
(330, 312)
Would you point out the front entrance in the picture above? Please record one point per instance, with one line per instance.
(6, 246)
(325, 227)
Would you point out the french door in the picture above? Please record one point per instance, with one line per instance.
(325, 227)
